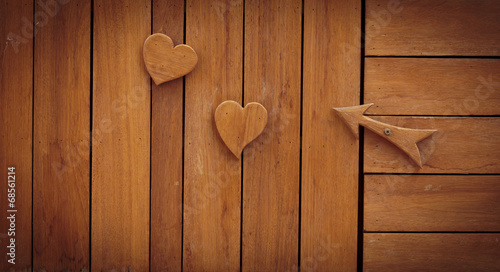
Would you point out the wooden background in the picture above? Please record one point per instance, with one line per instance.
(114, 173)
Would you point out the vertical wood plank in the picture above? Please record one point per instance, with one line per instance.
(61, 136)
(212, 173)
(121, 140)
(16, 98)
(166, 150)
(271, 162)
(330, 152)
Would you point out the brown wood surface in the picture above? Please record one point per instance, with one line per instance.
(16, 98)
(212, 174)
(238, 126)
(166, 150)
(138, 136)
(329, 150)
(271, 162)
(409, 86)
(431, 252)
(461, 145)
(121, 140)
(429, 27)
(61, 151)
(431, 203)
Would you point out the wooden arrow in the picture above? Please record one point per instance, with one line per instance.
(405, 139)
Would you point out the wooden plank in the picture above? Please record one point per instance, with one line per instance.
(431, 203)
(433, 28)
(16, 98)
(431, 252)
(121, 140)
(212, 174)
(329, 150)
(461, 145)
(61, 136)
(409, 86)
(271, 162)
(166, 150)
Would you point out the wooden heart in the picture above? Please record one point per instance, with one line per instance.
(239, 126)
(165, 62)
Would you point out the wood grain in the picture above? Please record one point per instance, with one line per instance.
(165, 62)
(461, 145)
(329, 150)
(271, 162)
(431, 252)
(431, 203)
(212, 175)
(121, 140)
(166, 150)
(239, 126)
(61, 151)
(16, 100)
(428, 27)
(409, 86)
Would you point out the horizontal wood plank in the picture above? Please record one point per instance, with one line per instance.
(429, 27)
(431, 203)
(461, 145)
(431, 252)
(429, 86)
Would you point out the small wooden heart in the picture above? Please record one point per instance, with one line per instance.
(165, 62)
(239, 126)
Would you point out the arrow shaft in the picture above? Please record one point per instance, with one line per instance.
(404, 138)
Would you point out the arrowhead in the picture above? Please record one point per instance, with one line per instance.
(352, 116)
